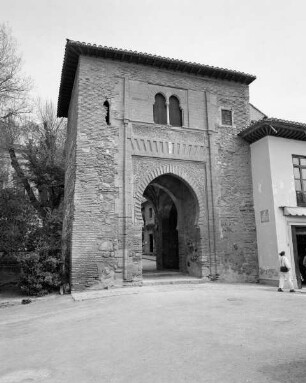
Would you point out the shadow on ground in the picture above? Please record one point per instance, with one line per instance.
(286, 372)
(9, 285)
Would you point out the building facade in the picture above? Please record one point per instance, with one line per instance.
(278, 152)
(143, 126)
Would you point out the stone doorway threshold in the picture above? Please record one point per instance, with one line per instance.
(168, 277)
(153, 277)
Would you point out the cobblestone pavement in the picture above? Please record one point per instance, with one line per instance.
(211, 332)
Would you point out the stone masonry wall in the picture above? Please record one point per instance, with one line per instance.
(70, 169)
(104, 226)
(237, 234)
(237, 248)
(95, 227)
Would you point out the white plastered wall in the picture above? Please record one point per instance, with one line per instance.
(273, 188)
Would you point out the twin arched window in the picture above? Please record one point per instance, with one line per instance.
(167, 114)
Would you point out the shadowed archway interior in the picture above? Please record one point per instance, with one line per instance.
(172, 226)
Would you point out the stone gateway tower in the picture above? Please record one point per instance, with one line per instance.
(147, 128)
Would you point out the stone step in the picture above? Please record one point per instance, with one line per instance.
(177, 280)
(161, 274)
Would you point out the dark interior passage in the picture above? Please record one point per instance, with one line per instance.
(299, 245)
(151, 243)
(170, 259)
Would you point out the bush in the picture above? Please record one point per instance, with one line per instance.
(42, 270)
(40, 273)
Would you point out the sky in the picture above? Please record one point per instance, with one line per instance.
(265, 38)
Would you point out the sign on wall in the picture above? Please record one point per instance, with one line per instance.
(264, 216)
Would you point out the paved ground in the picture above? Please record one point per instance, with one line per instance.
(183, 333)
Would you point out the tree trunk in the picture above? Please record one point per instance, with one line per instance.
(34, 201)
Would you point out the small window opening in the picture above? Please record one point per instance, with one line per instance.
(175, 112)
(150, 212)
(226, 117)
(151, 243)
(106, 106)
(299, 171)
(160, 110)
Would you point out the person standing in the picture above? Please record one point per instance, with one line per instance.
(285, 273)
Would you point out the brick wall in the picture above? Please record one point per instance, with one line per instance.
(70, 172)
(106, 232)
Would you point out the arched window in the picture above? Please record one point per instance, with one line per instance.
(106, 107)
(160, 110)
(175, 112)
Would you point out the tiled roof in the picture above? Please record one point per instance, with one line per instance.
(274, 127)
(75, 48)
(259, 111)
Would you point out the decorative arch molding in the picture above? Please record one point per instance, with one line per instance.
(154, 92)
(175, 170)
(176, 95)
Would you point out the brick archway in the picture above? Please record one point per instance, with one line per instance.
(177, 171)
(190, 237)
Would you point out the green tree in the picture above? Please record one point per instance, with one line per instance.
(35, 144)
(44, 158)
(18, 222)
(39, 161)
(14, 85)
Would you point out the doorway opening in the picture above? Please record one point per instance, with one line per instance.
(299, 246)
(169, 212)
(151, 243)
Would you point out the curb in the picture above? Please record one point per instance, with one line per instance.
(26, 300)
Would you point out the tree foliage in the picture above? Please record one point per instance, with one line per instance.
(14, 86)
(38, 160)
(44, 158)
(18, 222)
(40, 273)
(34, 141)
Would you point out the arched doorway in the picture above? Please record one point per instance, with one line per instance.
(170, 212)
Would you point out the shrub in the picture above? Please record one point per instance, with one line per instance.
(40, 273)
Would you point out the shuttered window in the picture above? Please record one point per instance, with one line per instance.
(226, 117)
(175, 113)
(160, 110)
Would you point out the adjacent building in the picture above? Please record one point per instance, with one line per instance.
(278, 152)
